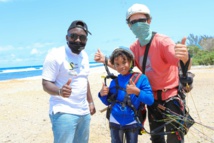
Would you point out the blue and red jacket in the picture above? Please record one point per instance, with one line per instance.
(125, 115)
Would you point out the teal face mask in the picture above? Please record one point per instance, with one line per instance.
(142, 31)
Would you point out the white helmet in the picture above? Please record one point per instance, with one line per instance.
(137, 8)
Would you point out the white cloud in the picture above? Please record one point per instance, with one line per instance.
(12, 55)
(6, 48)
(32, 54)
(34, 51)
(5, 0)
(41, 45)
(19, 60)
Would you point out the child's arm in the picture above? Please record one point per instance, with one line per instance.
(104, 91)
(103, 94)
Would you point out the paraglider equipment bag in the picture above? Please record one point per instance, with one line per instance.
(186, 82)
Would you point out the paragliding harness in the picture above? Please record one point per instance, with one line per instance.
(140, 113)
(185, 85)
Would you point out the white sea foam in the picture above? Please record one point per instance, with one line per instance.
(20, 70)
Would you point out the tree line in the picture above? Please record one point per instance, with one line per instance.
(201, 49)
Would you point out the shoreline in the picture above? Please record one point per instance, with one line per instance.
(101, 69)
(92, 71)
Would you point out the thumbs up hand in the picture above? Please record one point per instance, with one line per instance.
(99, 56)
(104, 91)
(181, 51)
(66, 89)
(132, 89)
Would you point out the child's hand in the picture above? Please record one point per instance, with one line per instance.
(104, 91)
(132, 89)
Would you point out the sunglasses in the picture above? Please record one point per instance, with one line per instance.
(138, 20)
(74, 37)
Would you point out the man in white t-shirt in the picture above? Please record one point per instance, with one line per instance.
(65, 78)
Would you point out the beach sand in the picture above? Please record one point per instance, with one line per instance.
(24, 110)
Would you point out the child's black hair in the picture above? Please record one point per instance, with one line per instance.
(124, 54)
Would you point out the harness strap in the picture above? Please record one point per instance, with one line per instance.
(178, 98)
(127, 100)
(135, 77)
(146, 53)
(109, 75)
(159, 92)
(184, 68)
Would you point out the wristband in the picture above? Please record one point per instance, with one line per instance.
(59, 92)
(91, 103)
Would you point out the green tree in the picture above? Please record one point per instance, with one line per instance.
(193, 50)
(207, 44)
(201, 49)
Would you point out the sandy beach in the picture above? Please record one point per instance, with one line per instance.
(24, 110)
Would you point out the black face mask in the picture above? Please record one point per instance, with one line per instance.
(76, 47)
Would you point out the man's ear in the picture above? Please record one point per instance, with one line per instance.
(66, 37)
(149, 21)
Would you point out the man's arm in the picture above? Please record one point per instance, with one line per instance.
(100, 57)
(181, 52)
(52, 89)
(90, 100)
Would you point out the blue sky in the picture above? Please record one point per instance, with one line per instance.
(30, 28)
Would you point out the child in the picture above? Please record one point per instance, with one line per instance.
(125, 97)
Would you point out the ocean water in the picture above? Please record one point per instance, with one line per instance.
(28, 71)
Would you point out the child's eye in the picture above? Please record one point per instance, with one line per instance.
(124, 62)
